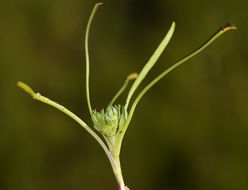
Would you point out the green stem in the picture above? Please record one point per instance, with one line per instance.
(39, 97)
(117, 168)
(118, 174)
(87, 54)
(113, 158)
(129, 77)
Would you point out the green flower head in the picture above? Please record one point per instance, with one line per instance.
(111, 121)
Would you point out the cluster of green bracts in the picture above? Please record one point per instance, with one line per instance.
(111, 121)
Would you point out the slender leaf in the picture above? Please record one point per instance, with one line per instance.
(151, 62)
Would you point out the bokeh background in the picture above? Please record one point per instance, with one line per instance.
(190, 132)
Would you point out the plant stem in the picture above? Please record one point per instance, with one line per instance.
(111, 153)
(118, 174)
(87, 54)
(39, 97)
(129, 77)
(116, 165)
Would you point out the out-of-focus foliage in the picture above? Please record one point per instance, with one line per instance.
(189, 132)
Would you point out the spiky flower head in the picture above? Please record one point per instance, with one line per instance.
(109, 121)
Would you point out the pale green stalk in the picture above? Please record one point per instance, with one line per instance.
(114, 160)
(128, 78)
(39, 97)
(151, 62)
(87, 54)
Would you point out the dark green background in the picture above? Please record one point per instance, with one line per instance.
(188, 133)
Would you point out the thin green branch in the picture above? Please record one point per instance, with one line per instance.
(151, 62)
(39, 97)
(128, 78)
(87, 54)
(218, 34)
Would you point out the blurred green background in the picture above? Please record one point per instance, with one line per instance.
(188, 133)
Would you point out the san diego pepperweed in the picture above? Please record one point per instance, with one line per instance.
(113, 121)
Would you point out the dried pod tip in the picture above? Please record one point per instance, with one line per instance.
(228, 27)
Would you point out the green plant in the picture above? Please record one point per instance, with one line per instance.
(112, 122)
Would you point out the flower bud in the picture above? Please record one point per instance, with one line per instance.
(110, 121)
